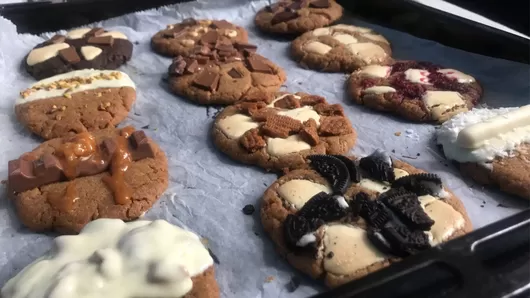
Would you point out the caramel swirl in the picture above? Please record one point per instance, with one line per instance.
(82, 146)
(127, 131)
(121, 160)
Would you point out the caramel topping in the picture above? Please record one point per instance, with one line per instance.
(127, 131)
(82, 146)
(118, 166)
(65, 202)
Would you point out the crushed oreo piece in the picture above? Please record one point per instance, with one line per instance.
(373, 212)
(377, 239)
(297, 227)
(421, 184)
(406, 205)
(293, 284)
(248, 209)
(333, 169)
(323, 206)
(353, 168)
(403, 241)
(379, 166)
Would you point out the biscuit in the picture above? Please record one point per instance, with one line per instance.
(223, 74)
(296, 16)
(417, 91)
(335, 221)
(153, 258)
(340, 48)
(79, 49)
(66, 182)
(278, 131)
(492, 146)
(181, 39)
(75, 102)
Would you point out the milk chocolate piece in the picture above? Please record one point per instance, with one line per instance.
(257, 64)
(57, 38)
(202, 50)
(207, 80)
(210, 37)
(246, 46)
(140, 147)
(234, 73)
(284, 16)
(178, 66)
(101, 40)
(296, 5)
(222, 24)
(69, 55)
(95, 32)
(274, 8)
(320, 4)
(192, 67)
(24, 175)
(189, 22)
(225, 47)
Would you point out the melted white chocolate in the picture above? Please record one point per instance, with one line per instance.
(302, 114)
(378, 186)
(444, 104)
(236, 125)
(42, 54)
(77, 33)
(446, 220)
(368, 52)
(379, 90)
(376, 71)
(299, 191)
(317, 47)
(291, 144)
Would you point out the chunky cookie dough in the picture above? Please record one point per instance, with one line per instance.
(79, 49)
(297, 16)
(75, 102)
(181, 39)
(417, 91)
(492, 146)
(341, 48)
(339, 219)
(67, 182)
(111, 258)
(279, 131)
(223, 73)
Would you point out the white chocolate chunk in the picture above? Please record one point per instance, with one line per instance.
(379, 89)
(299, 191)
(446, 220)
(418, 76)
(375, 37)
(351, 28)
(236, 125)
(279, 146)
(321, 32)
(77, 33)
(344, 38)
(115, 34)
(351, 249)
(317, 47)
(398, 173)
(302, 114)
(90, 52)
(439, 102)
(379, 186)
(476, 135)
(368, 52)
(42, 54)
(376, 71)
(426, 199)
(459, 76)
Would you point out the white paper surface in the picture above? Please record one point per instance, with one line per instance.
(207, 190)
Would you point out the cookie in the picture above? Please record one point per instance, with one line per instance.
(417, 91)
(340, 48)
(492, 146)
(66, 182)
(336, 220)
(79, 49)
(153, 258)
(279, 131)
(223, 74)
(181, 39)
(75, 102)
(297, 16)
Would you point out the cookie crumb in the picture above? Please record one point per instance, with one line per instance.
(256, 233)
(417, 154)
(330, 255)
(269, 278)
(145, 127)
(293, 284)
(397, 133)
(393, 150)
(214, 257)
(248, 209)
(481, 206)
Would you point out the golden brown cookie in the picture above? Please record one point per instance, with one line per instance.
(340, 48)
(339, 219)
(223, 74)
(181, 38)
(417, 91)
(66, 182)
(75, 102)
(79, 49)
(492, 146)
(278, 131)
(153, 258)
(297, 16)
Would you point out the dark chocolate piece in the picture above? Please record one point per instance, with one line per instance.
(101, 40)
(323, 206)
(274, 8)
(406, 205)
(284, 16)
(57, 38)
(140, 147)
(178, 66)
(246, 46)
(207, 80)
(95, 32)
(235, 74)
(248, 209)
(257, 64)
(210, 37)
(320, 4)
(333, 169)
(222, 24)
(69, 55)
(24, 174)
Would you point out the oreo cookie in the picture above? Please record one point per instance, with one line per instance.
(403, 241)
(353, 168)
(324, 207)
(333, 169)
(421, 184)
(295, 228)
(407, 207)
(373, 212)
(377, 239)
(379, 166)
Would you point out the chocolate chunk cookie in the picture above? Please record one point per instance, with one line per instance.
(297, 16)
(340, 219)
(492, 146)
(279, 131)
(223, 73)
(181, 38)
(340, 48)
(79, 49)
(74, 102)
(417, 91)
(153, 258)
(66, 182)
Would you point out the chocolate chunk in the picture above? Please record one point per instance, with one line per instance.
(403, 241)
(101, 40)
(323, 206)
(248, 209)
(296, 5)
(320, 4)
(69, 55)
(379, 166)
(406, 205)
(274, 8)
(140, 147)
(421, 184)
(210, 37)
(353, 168)
(189, 22)
(295, 227)
(334, 170)
(95, 32)
(257, 64)
(107, 148)
(373, 212)
(202, 50)
(207, 80)
(192, 67)
(284, 16)
(24, 174)
(222, 24)
(178, 66)
(224, 47)
(235, 74)
(57, 38)
(245, 46)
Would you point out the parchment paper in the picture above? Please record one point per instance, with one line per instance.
(207, 190)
